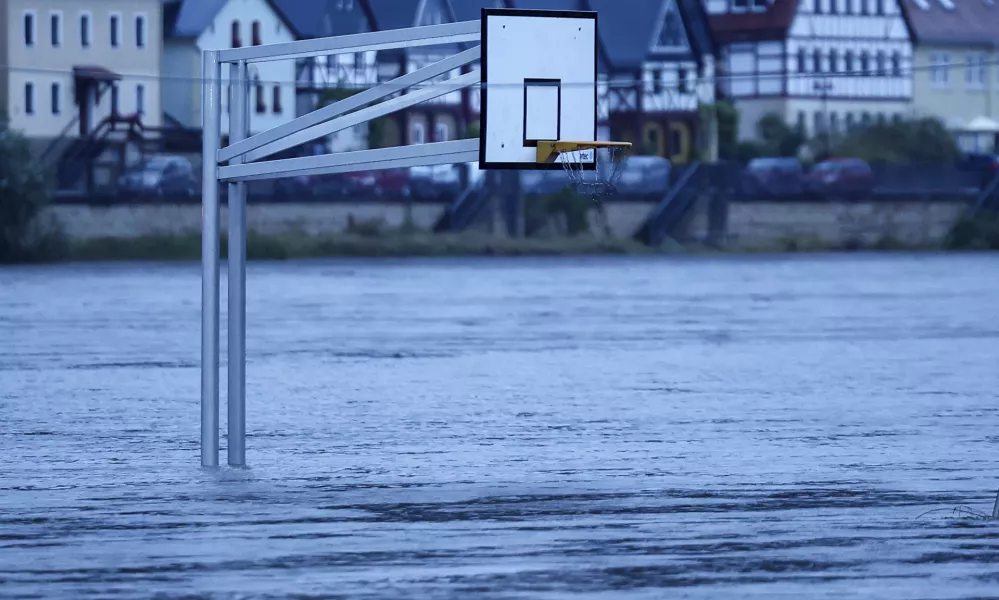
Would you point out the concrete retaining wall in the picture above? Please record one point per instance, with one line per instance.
(753, 223)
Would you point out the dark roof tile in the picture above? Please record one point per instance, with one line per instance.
(968, 22)
(771, 24)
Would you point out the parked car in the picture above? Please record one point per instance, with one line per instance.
(387, 182)
(437, 182)
(641, 176)
(986, 165)
(773, 177)
(163, 175)
(841, 177)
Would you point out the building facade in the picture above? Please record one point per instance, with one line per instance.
(956, 67)
(436, 120)
(825, 65)
(660, 71)
(193, 26)
(73, 64)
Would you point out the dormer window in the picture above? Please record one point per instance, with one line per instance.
(236, 41)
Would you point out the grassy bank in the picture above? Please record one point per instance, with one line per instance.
(346, 245)
(290, 246)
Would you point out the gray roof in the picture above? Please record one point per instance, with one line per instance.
(471, 10)
(549, 4)
(189, 18)
(193, 17)
(394, 14)
(967, 22)
(308, 17)
(627, 35)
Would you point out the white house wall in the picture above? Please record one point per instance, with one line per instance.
(280, 73)
(181, 62)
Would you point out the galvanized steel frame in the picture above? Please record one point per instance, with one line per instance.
(243, 156)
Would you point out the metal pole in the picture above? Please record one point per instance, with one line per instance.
(211, 117)
(238, 130)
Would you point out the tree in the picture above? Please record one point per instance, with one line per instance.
(777, 138)
(923, 140)
(25, 232)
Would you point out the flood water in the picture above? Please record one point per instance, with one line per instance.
(741, 427)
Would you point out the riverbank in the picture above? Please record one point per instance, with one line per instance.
(277, 232)
(416, 244)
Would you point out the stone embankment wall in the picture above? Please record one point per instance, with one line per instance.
(744, 223)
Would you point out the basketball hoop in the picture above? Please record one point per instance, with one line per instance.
(600, 179)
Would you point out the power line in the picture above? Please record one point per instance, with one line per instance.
(701, 80)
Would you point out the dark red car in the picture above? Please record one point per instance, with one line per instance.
(386, 182)
(841, 177)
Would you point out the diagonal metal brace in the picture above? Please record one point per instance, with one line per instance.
(305, 122)
(364, 115)
(436, 153)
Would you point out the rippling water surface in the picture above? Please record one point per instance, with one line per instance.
(600, 428)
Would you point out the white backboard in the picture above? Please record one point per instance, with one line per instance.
(539, 82)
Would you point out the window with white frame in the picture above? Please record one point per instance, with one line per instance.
(114, 30)
(974, 70)
(85, 30)
(29, 28)
(56, 97)
(140, 31)
(29, 98)
(55, 28)
(940, 69)
(417, 133)
(441, 132)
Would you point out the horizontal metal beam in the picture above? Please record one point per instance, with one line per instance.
(364, 115)
(359, 160)
(336, 109)
(410, 37)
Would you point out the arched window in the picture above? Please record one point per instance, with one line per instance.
(236, 41)
(417, 133)
(833, 60)
(802, 61)
(865, 63)
(276, 99)
(255, 33)
(441, 132)
(817, 61)
(882, 63)
(896, 64)
(848, 65)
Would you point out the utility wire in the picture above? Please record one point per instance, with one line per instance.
(609, 84)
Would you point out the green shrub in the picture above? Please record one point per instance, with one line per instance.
(27, 233)
(981, 233)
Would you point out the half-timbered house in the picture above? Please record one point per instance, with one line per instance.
(660, 57)
(825, 65)
(436, 120)
(322, 79)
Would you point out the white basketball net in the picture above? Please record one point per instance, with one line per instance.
(601, 181)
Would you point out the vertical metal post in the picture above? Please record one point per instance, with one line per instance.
(238, 130)
(211, 117)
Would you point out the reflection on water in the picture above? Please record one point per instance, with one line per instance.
(600, 428)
